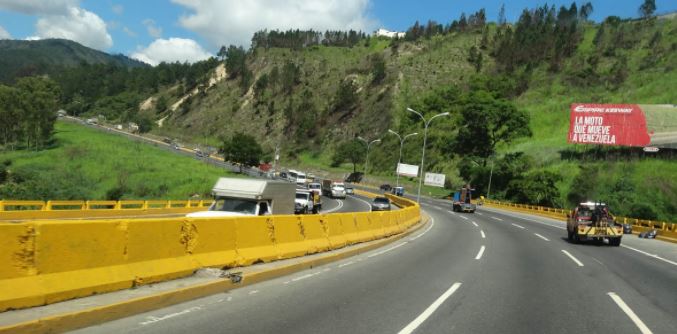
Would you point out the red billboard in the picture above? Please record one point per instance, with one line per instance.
(608, 124)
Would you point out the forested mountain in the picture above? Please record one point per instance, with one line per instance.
(24, 58)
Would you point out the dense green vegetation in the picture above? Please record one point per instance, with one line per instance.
(86, 164)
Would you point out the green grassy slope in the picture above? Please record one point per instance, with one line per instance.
(87, 164)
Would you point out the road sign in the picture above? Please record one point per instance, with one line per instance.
(407, 170)
(651, 149)
(435, 180)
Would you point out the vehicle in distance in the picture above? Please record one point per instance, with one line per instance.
(316, 188)
(349, 190)
(338, 190)
(249, 197)
(593, 221)
(380, 204)
(303, 202)
(386, 187)
(462, 201)
(398, 191)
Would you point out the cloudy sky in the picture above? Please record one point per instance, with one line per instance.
(190, 30)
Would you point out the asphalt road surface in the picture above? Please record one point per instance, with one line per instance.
(489, 272)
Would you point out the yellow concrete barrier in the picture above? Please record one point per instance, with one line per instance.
(43, 262)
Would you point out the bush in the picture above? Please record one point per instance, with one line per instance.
(643, 211)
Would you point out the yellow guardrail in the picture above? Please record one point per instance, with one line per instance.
(23, 210)
(667, 229)
(48, 261)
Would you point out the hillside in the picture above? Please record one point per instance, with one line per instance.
(629, 62)
(21, 58)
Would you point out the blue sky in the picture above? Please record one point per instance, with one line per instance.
(156, 30)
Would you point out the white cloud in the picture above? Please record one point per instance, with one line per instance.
(223, 22)
(153, 30)
(38, 7)
(78, 25)
(4, 34)
(63, 19)
(171, 50)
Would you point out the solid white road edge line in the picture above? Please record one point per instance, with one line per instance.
(432, 223)
(479, 255)
(520, 226)
(628, 311)
(482, 233)
(532, 220)
(388, 250)
(579, 263)
(651, 255)
(411, 327)
(542, 237)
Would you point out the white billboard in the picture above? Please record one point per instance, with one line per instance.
(435, 180)
(407, 170)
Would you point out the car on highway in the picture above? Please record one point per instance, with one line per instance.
(627, 228)
(380, 204)
(338, 190)
(349, 190)
(398, 191)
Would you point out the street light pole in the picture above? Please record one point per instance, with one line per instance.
(491, 173)
(425, 140)
(399, 161)
(366, 162)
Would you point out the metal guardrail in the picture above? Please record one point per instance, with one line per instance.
(658, 225)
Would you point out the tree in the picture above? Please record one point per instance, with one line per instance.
(222, 52)
(161, 104)
(486, 122)
(351, 151)
(291, 76)
(38, 99)
(242, 149)
(235, 61)
(501, 16)
(647, 9)
(378, 68)
(538, 188)
(346, 96)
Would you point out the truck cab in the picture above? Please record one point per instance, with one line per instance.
(247, 197)
(462, 201)
(304, 202)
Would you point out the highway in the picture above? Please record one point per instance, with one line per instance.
(489, 272)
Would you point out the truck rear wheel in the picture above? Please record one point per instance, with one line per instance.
(615, 242)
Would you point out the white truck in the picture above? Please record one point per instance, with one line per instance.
(249, 197)
(303, 203)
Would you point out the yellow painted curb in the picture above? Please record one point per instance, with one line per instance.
(80, 319)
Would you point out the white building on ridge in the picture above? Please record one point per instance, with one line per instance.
(387, 33)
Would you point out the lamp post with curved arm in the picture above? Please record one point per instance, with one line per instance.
(425, 137)
(369, 143)
(399, 161)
